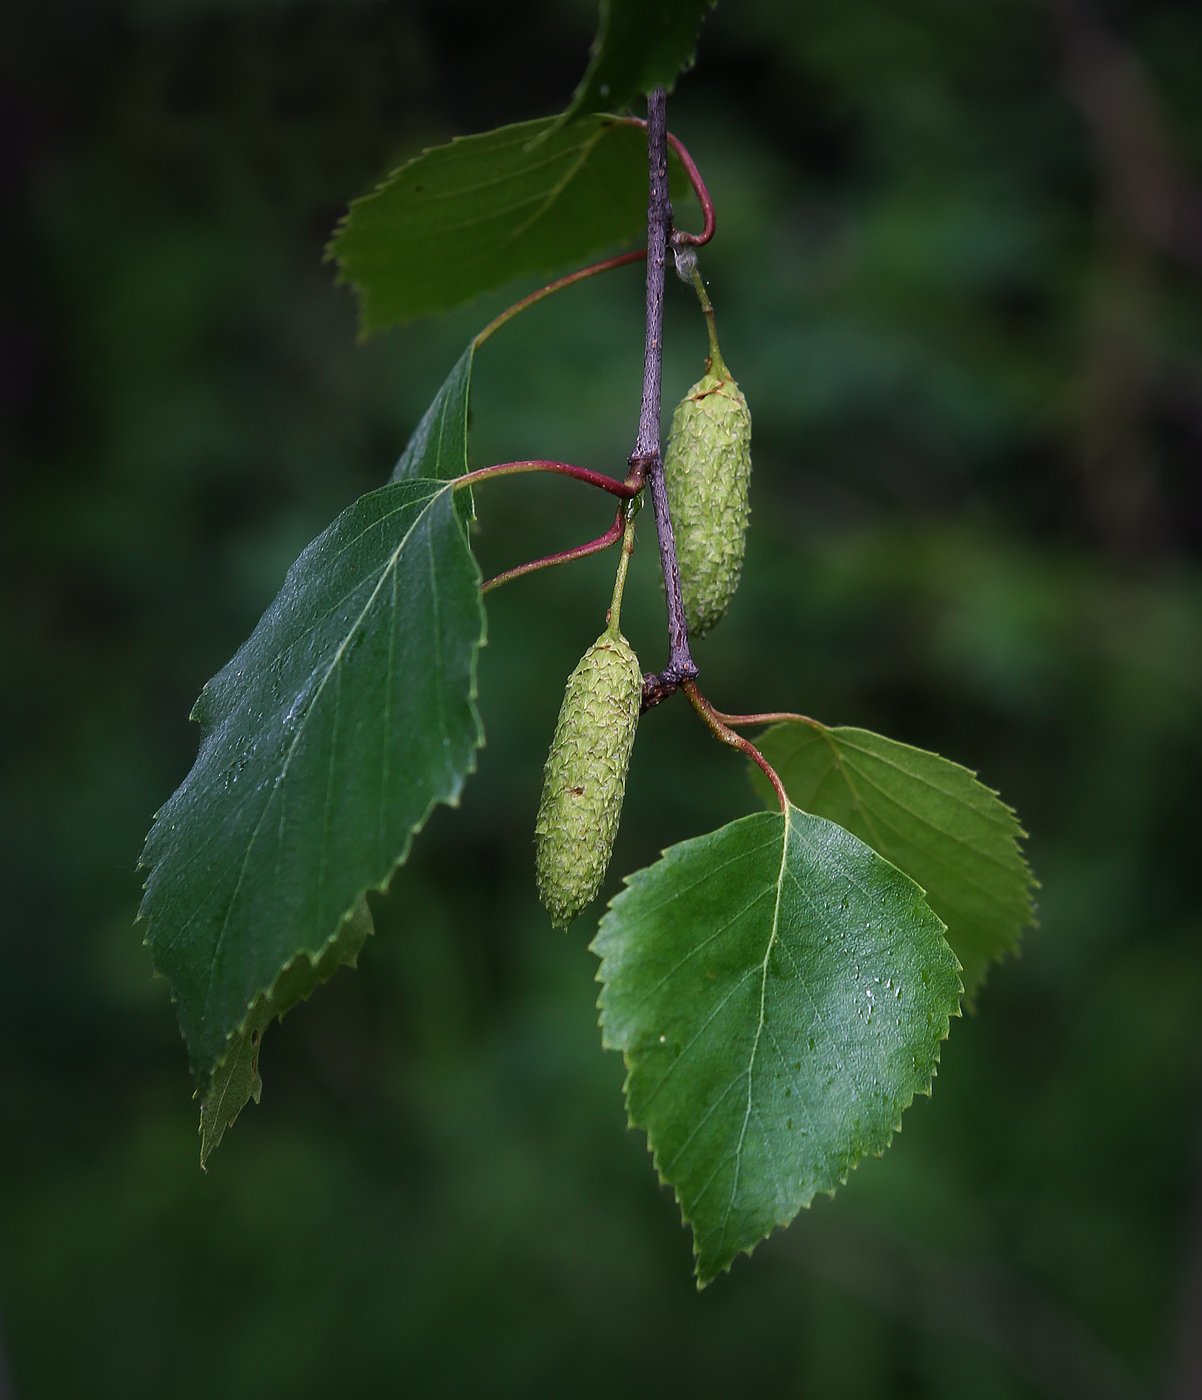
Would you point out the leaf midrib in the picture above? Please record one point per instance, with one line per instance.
(276, 787)
(786, 824)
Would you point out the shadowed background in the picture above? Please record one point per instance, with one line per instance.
(957, 276)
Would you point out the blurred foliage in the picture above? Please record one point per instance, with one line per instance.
(957, 275)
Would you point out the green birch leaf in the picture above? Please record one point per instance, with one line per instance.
(236, 1079)
(469, 216)
(437, 447)
(638, 47)
(932, 818)
(344, 718)
(779, 993)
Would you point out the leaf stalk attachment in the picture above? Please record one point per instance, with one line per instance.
(627, 514)
(768, 717)
(567, 280)
(715, 722)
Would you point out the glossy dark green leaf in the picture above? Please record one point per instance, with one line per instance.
(779, 993)
(638, 47)
(932, 818)
(236, 1079)
(344, 718)
(482, 210)
(437, 447)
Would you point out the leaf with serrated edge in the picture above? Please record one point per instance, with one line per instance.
(929, 816)
(779, 993)
(236, 1079)
(638, 47)
(480, 211)
(387, 597)
(344, 718)
(437, 447)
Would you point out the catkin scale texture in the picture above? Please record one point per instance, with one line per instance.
(707, 469)
(585, 777)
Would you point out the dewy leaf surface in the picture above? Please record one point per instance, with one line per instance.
(638, 47)
(236, 1079)
(344, 718)
(779, 993)
(929, 816)
(482, 210)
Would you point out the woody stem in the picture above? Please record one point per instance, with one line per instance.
(647, 453)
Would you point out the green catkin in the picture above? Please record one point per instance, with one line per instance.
(585, 777)
(707, 468)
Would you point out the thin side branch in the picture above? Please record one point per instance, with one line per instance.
(564, 556)
(624, 489)
(567, 280)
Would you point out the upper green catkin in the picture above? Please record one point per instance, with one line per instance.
(707, 468)
(585, 777)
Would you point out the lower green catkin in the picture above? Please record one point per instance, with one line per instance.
(707, 469)
(585, 777)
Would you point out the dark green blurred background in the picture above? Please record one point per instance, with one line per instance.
(957, 275)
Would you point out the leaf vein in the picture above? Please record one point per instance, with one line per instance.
(300, 730)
